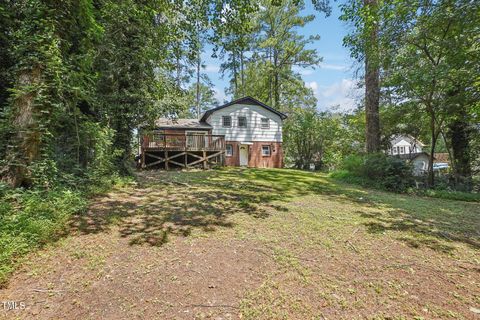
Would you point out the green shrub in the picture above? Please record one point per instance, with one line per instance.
(377, 170)
(353, 164)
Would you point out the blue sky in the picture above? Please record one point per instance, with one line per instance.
(332, 82)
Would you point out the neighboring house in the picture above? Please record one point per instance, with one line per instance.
(244, 132)
(405, 144)
(410, 149)
(418, 160)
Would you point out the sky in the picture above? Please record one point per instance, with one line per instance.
(332, 82)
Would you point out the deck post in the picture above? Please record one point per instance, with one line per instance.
(166, 161)
(196, 150)
(204, 160)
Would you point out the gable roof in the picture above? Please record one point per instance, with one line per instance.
(245, 100)
(399, 137)
(165, 123)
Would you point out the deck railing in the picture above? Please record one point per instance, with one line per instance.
(182, 142)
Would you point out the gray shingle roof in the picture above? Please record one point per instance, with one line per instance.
(165, 123)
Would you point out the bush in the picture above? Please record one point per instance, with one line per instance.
(377, 170)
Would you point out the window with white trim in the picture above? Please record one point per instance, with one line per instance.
(266, 152)
(226, 121)
(242, 122)
(265, 123)
(229, 150)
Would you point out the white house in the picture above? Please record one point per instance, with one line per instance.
(405, 144)
(252, 130)
(410, 149)
(244, 132)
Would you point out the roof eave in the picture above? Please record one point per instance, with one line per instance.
(238, 101)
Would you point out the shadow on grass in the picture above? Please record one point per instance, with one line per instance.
(166, 203)
(425, 222)
(176, 203)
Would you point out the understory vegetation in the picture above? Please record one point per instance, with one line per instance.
(32, 218)
(383, 172)
(377, 170)
(259, 244)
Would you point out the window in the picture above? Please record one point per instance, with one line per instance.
(229, 150)
(242, 122)
(226, 121)
(402, 150)
(394, 150)
(265, 123)
(266, 151)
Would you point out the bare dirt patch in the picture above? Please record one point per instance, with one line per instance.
(101, 276)
(256, 244)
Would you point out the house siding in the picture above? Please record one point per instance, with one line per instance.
(253, 132)
(255, 158)
(408, 144)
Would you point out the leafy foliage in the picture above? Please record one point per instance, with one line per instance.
(377, 170)
(316, 138)
(29, 219)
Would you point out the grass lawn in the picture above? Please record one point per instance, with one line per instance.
(257, 244)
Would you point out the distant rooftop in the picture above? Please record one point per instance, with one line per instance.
(399, 137)
(165, 123)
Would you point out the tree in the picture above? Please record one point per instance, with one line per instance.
(364, 44)
(431, 65)
(206, 99)
(317, 138)
(130, 53)
(268, 74)
(46, 71)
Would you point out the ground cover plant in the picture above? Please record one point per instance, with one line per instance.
(257, 244)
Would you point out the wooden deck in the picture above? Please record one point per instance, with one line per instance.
(182, 151)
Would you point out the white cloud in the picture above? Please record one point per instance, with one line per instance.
(220, 95)
(303, 71)
(343, 95)
(312, 85)
(335, 67)
(212, 68)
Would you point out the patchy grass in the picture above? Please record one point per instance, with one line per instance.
(261, 244)
(31, 219)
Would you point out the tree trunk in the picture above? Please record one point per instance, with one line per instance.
(270, 78)
(276, 89)
(122, 142)
(242, 74)
(431, 176)
(199, 62)
(24, 147)
(372, 89)
(235, 74)
(460, 136)
(178, 68)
